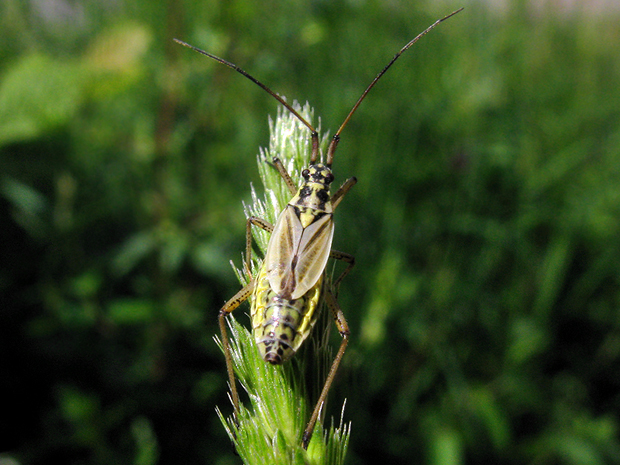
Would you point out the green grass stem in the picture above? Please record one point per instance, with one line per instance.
(279, 402)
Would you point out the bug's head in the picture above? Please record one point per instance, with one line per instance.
(319, 174)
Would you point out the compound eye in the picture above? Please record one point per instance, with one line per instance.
(306, 174)
(329, 177)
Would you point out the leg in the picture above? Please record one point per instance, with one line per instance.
(287, 177)
(345, 257)
(228, 307)
(339, 194)
(343, 329)
(253, 220)
(282, 170)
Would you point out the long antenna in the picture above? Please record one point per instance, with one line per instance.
(336, 138)
(314, 133)
(315, 136)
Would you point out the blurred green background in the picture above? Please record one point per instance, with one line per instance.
(484, 306)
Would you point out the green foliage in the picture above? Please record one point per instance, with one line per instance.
(271, 431)
(484, 302)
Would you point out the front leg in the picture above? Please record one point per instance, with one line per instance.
(287, 177)
(339, 194)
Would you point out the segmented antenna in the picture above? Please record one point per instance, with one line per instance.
(315, 136)
(314, 133)
(336, 138)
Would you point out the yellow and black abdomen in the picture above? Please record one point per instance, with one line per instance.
(280, 325)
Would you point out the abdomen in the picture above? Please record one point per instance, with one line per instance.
(280, 325)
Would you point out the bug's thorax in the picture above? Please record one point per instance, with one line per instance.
(313, 198)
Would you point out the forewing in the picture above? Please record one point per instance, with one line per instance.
(313, 253)
(295, 256)
(281, 250)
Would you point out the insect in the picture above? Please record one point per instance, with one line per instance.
(290, 282)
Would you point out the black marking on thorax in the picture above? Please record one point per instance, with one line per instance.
(313, 196)
(316, 211)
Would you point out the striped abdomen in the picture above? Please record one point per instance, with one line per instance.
(281, 325)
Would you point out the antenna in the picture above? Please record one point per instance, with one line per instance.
(314, 133)
(336, 138)
(315, 136)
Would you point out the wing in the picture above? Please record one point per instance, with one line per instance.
(295, 256)
(281, 250)
(313, 253)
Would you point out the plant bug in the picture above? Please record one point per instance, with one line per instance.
(290, 282)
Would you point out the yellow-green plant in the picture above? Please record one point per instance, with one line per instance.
(269, 428)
